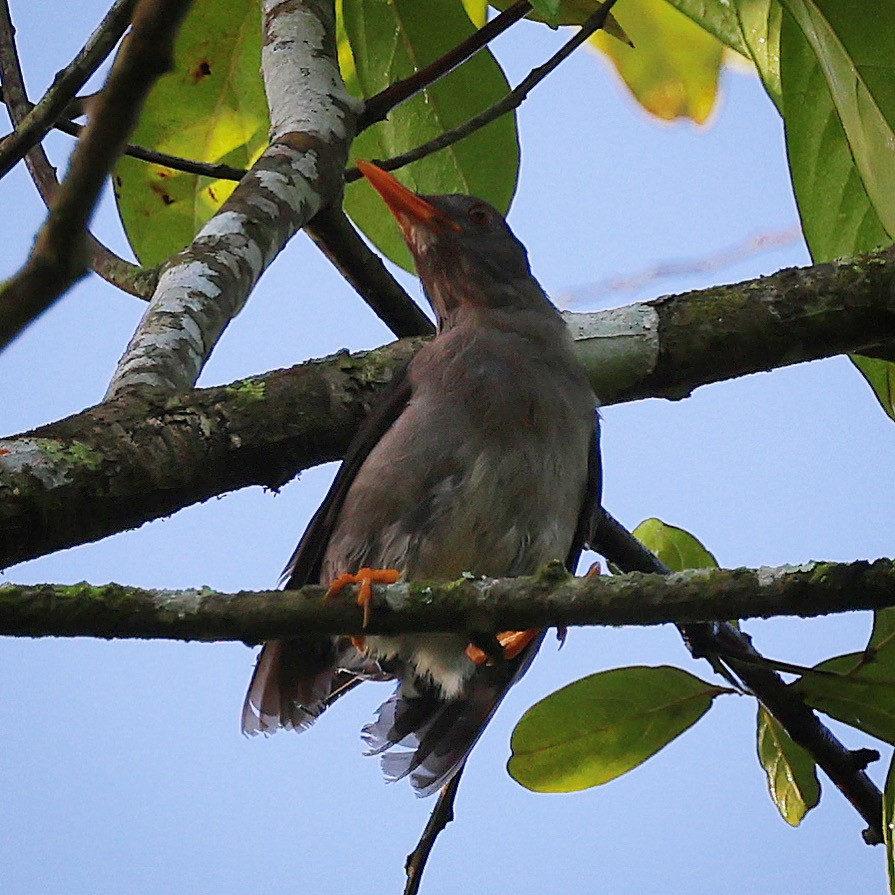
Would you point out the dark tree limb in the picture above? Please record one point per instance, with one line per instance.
(115, 467)
(442, 815)
(722, 641)
(511, 101)
(34, 126)
(479, 605)
(126, 276)
(336, 237)
(61, 252)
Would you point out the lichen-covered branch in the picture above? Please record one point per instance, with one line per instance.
(141, 457)
(205, 286)
(118, 465)
(672, 345)
(477, 605)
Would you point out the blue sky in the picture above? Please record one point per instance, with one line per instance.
(122, 768)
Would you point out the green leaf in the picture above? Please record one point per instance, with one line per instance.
(718, 17)
(856, 57)
(889, 825)
(548, 10)
(677, 548)
(837, 73)
(759, 23)
(390, 41)
(211, 108)
(859, 688)
(602, 726)
(880, 375)
(791, 772)
(672, 69)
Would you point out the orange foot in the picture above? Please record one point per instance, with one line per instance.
(366, 578)
(513, 642)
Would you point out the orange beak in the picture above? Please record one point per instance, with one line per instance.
(408, 208)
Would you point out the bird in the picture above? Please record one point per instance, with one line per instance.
(483, 458)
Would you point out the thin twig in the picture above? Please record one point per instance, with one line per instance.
(378, 106)
(31, 129)
(176, 162)
(335, 236)
(722, 640)
(442, 815)
(511, 101)
(126, 276)
(60, 253)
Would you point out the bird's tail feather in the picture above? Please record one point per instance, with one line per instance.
(429, 738)
(294, 682)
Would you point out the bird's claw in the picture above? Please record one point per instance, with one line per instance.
(366, 578)
(511, 642)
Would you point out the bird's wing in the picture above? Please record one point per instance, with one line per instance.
(296, 679)
(592, 505)
(304, 564)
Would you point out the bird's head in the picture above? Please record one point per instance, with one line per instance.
(465, 254)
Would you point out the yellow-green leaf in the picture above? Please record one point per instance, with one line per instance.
(477, 10)
(602, 726)
(672, 69)
(390, 41)
(211, 108)
(859, 688)
(889, 825)
(677, 548)
(791, 772)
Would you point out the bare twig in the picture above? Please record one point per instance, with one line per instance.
(341, 243)
(176, 162)
(721, 640)
(442, 815)
(31, 129)
(377, 107)
(511, 101)
(106, 263)
(60, 253)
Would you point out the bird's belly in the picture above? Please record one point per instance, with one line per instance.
(491, 524)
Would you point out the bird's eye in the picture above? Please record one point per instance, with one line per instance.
(478, 214)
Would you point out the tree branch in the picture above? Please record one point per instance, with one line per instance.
(377, 107)
(511, 101)
(204, 286)
(470, 605)
(722, 642)
(60, 253)
(31, 129)
(336, 237)
(442, 815)
(114, 467)
(126, 276)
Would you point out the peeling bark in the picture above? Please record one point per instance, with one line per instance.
(203, 287)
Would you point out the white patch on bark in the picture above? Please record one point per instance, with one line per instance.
(27, 455)
(314, 103)
(770, 575)
(621, 345)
